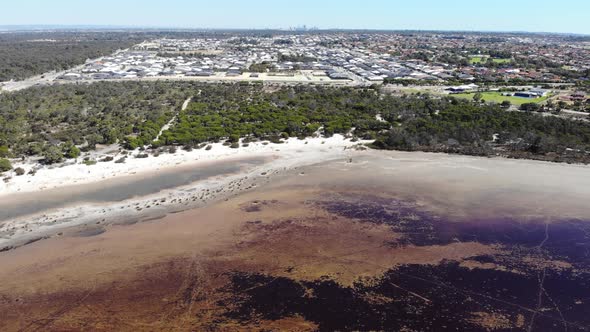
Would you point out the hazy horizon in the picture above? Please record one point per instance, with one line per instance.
(541, 16)
(106, 27)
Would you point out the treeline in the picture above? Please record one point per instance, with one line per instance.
(232, 112)
(455, 126)
(406, 123)
(36, 119)
(54, 122)
(23, 55)
(295, 58)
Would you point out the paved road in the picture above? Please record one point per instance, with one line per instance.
(52, 79)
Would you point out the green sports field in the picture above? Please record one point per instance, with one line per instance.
(496, 97)
(481, 59)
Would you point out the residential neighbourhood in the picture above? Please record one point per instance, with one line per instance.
(508, 67)
(360, 58)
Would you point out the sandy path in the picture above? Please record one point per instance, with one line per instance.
(169, 124)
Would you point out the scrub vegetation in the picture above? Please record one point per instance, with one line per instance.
(56, 122)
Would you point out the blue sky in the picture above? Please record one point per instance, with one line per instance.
(488, 15)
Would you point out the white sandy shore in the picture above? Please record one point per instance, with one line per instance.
(55, 177)
(292, 154)
(513, 185)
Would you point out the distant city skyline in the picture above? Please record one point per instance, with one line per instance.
(566, 16)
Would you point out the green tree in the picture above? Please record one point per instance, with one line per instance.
(34, 149)
(234, 138)
(4, 152)
(5, 165)
(52, 155)
(530, 107)
(477, 97)
(70, 150)
(131, 143)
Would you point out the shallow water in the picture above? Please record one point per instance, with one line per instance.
(116, 190)
(373, 245)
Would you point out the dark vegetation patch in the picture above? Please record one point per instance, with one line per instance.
(416, 297)
(567, 240)
(257, 206)
(252, 208)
